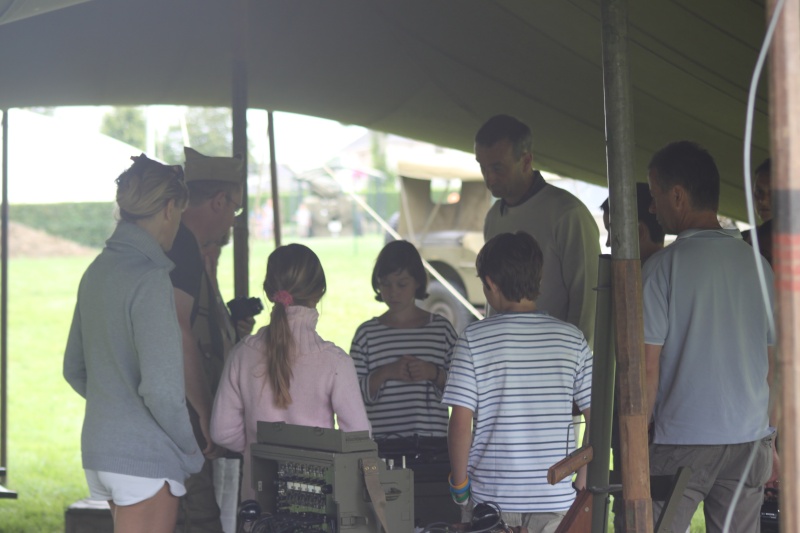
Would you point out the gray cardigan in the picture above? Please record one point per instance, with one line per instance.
(124, 356)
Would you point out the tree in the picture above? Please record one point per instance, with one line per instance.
(46, 111)
(377, 141)
(210, 131)
(126, 124)
(170, 147)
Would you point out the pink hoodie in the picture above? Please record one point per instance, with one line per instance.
(323, 382)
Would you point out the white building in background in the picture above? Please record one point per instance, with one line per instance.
(50, 160)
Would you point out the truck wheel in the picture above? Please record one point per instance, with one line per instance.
(441, 302)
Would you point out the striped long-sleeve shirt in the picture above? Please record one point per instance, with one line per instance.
(400, 408)
(519, 374)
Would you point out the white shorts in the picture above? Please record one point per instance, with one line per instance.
(127, 490)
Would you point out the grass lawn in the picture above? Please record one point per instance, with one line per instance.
(45, 414)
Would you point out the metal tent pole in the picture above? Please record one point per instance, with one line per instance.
(627, 283)
(273, 168)
(239, 114)
(4, 307)
(604, 368)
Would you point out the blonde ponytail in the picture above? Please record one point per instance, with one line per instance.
(294, 277)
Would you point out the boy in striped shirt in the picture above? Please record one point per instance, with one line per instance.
(515, 375)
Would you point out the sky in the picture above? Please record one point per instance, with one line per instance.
(52, 160)
(301, 142)
(65, 158)
(48, 156)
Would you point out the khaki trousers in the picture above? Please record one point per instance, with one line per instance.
(716, 470)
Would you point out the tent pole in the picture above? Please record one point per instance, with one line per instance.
(604, 368)
(627, 283)
(4, 306)
(785, 137)
(273, 168)
(239, 116)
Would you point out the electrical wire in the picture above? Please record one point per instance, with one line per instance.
(498, 521)
(436, 527)
(748, 180)
(748, 141)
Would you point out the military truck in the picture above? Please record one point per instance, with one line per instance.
(442, 208)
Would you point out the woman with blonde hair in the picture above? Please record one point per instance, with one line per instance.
(124, 357)
(286, 372)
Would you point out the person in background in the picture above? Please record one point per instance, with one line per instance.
(286, 372)
(562, 225)
(515, 376)
(764, 232)
(215, 198)
(708, 348)
(231, 332)
(762, 198)
(124, 356)
(304, 222)
(762, 190)
(651, 234)
(402, 356)
(227, 469)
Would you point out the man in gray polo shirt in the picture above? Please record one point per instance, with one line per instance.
(707, 346)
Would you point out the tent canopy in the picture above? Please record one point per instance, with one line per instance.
(433, 71)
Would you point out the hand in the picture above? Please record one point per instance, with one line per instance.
(244, 327)
(214, 451)
(211, 450)
(417, 369)
(397, 370)
(773, 482)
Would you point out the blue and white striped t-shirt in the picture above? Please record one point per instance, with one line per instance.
(519, 373)
(403, 408)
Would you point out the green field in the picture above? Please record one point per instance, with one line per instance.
(45, 414)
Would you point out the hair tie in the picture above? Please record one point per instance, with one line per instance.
(283, 298)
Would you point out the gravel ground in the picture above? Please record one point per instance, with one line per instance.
(28, 242)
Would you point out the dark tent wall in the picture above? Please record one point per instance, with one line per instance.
(428, 70)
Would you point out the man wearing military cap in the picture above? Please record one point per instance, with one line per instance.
(215, 198)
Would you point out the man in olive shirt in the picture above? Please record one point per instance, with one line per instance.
(215, 198)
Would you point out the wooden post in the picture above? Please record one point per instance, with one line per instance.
(785, 137)
(629, 332)
(241, 254)
(627, 283)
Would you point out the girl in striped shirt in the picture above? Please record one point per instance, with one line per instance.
(402, 356)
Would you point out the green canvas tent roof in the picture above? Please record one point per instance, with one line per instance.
(430, 70)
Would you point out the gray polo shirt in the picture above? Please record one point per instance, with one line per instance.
(703, 305)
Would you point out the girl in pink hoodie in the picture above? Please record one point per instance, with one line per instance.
(286, 372)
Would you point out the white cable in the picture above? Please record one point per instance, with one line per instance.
(748, 140)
